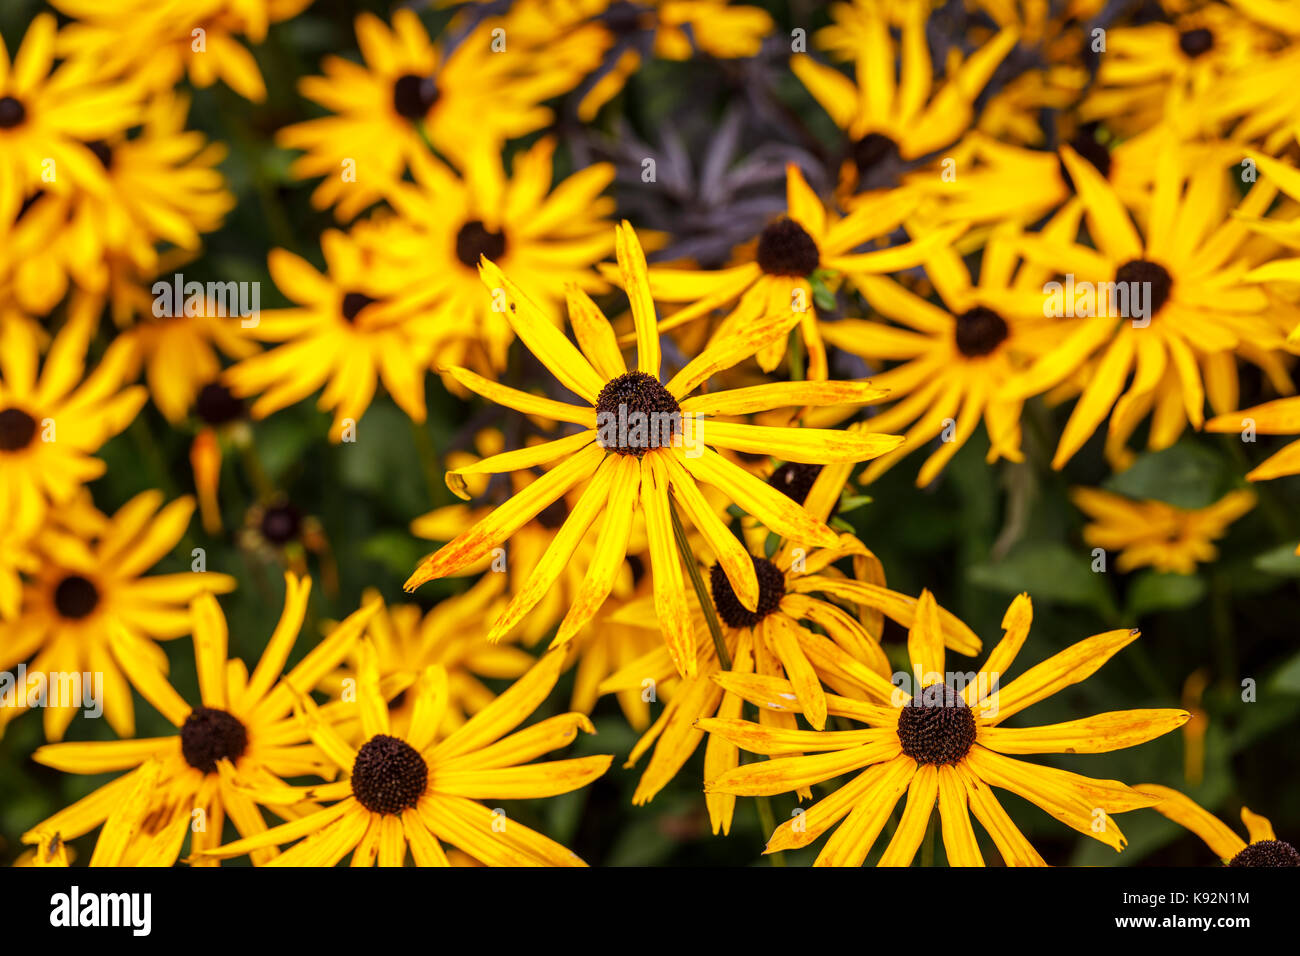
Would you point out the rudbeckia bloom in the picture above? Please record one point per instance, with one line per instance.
(1261, 848)
(1156, 534)
(414, 790)
(233, 747)
(1165, 303)
(544, 238)
(810, 239)
(46, 118)
(955, 357)
(942, 744)
(777, 639)
(91, 582)
(1152, 71)
(343, 334)
(52, 421)
(408, 84)
(642, 441)
(162, 187)
(160, 42)
(892, 124)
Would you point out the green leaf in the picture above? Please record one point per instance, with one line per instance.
(1186, 475)
(823, 297)
(1153, 591)
(1281, 560)
(1049, 572)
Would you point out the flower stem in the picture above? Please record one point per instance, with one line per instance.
(706, 601)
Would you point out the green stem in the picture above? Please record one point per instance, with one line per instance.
(429, 461)
(706, 601)
(767, 820)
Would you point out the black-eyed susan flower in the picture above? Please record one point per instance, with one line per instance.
(1164, 303)
(158, 43)
(644, 443)
(342, 334)
(798, 631)
(545, 238)
(163, 190)
(240, 741)
(1154, 70)
(941, 744)
(894, 116)
(90, 583)
(54, 417)
(409, 87)
(407, 640)
(810, 243)
(47, 118)
(1260, 848)
(952, 358)
(1157, 534)
(415, 790)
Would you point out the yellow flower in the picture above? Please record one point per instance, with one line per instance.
(162, 187)
(954, 358)
(890, 123)
(1263, 848)
(345, 334)
(414, 789)
(46, 118)
(776, 279)
(773, 640)
(544, 238)
(1195, 312)
(227, 753)
(473, 95)
(406, 641)
(52, 421)
(1156, 534)
(642, 442)
(90, 582)
(1156, 70)
(157, 43)
(942, 744)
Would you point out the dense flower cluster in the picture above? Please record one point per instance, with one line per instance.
(665, 291)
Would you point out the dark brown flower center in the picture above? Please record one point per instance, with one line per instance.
(12, 112)
(979, 331)
(475, 240)
(209, 735)
(771, 588)
(281, 523)
(1267, 853)
(216, 405)
(1154, 278)
(1196, 42)
(635, 413)
(877, 160)
(388, 776)
(786, 249)
(75, 597)
(795, 479)
(17, 429)
(353, 303)
(414, 96)
(936, 726)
